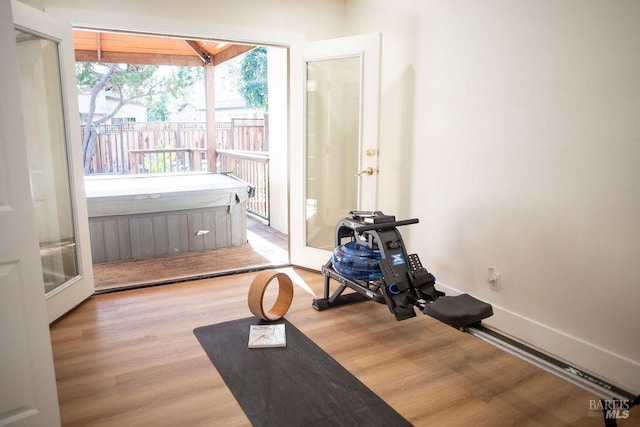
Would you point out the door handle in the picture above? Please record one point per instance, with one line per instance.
(367, 171)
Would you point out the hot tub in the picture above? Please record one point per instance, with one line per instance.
(147, 216)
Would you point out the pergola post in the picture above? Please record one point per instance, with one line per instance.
(210, 101)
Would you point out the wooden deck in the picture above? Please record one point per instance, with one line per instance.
(266, 247)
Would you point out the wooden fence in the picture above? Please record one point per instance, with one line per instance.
(242, 135)
(115, 142)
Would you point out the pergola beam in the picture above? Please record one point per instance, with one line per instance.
(202, 54)
(230, 53)
(210, 100)
(137, 58)
(98, 46)
(133, 49)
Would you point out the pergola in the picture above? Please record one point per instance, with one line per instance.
(124, 48)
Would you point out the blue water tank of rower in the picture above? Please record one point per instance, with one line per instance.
(357, 261)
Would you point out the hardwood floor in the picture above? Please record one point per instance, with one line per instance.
(130, 358)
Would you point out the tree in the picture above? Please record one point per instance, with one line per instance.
(253, 79)
(159, 111)
(128, 83)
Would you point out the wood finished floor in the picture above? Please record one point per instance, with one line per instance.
(130, 358)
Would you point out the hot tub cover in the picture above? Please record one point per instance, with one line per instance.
(126, 194)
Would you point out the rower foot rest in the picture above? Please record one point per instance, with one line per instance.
(459, 311)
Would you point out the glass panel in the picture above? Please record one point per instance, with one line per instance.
(333, 141)
(47, 150)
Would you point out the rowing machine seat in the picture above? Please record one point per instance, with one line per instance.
(458, 311)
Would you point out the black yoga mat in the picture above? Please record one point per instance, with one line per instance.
(298, 385)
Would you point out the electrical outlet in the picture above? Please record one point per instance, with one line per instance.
(493, 279)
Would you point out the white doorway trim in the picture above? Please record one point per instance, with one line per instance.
(175, 27)
(279, 115)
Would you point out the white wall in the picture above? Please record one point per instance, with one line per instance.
(269, 18)
(523, 143)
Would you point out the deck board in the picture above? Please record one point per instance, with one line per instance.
(263, 243)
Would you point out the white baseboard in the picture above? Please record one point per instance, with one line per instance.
(611, 367)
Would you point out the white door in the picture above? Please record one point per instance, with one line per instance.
(27, 381)
(54, 149)
(334, 149)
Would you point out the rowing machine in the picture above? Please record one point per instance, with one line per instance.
(375, 264)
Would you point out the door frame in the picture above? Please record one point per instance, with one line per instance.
(293, 42)
(76, 290)
(368, 47)
(200, 30)
(28, 395)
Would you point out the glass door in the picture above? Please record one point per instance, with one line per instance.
(49, 108)
(334, 162)
(333, 144)
(48, 160)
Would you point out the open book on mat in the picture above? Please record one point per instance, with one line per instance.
(272, 335)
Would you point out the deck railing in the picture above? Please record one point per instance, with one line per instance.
(115, 142)
(166, 160)
(253, 167)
